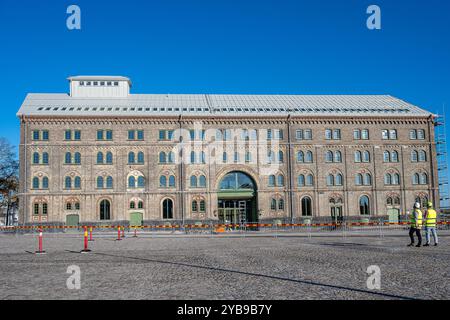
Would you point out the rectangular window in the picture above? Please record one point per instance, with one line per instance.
(45, 135)
(109, 135)
(68, 135)
(337, 134)
(393, 134)
(385, 134)
(99, 134)
(131, 135)
(413, 134)
(421, 134)
(365, 134)
(307, 134)
(328, 134)
(279, 134)
(162, 135)
(36, 209)
(170, 134)
(356, 134)
(77, 135)
(299, 134)
(35, 135)
(192, 134)
(269, 134)
(140, 134)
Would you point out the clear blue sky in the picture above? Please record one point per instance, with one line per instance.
(212, 46)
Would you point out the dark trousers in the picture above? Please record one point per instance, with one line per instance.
(411, 235)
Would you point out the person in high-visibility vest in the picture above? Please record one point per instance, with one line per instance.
(430, 218)
(415, 221)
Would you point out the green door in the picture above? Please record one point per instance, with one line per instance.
(393, 215)
(72, 220)
(136, 219)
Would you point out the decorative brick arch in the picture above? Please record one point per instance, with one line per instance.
(237, 168)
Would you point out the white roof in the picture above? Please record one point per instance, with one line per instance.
(218, 105)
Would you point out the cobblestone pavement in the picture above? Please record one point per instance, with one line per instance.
(220, 267)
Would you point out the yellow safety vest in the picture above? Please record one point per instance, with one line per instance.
(416, 223)
(431, 218)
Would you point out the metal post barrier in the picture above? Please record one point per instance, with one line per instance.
(118, 234)
(40, 250)
(86, 249)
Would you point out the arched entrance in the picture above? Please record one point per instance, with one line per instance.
(237, 199)
(105, 210)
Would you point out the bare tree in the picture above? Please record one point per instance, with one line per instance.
(9, 180)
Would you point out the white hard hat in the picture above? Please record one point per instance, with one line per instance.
(417, 205)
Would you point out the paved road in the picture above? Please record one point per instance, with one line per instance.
(190, 267)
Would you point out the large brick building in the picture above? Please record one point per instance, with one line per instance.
(102, 155)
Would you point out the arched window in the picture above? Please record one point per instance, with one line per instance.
(109, 158)
(330, 180)
(366, 156)
(140, 159)
(329, 156)
(389, 201)
(105, 210)
(132, 205)
(301, 180)
(131, 157)
(386, 156)
(131, 182)
(35, 158)
(273, 204)
(45, 158)
(364, 205)
(271, 181)
(99, 158)
(280, 157)
(202, 157)
(77, 183)
(109, 182)
(140, 205)
(396, 179)
(309, 180)
(77, 158)
(224, 157)
(359, 179)
(68, 158)
(162, 157)
(306, 207)
(396, 201)
(415, 178)
(422, 156)
(280, 180)
(423, 178)
(394, 156)
(387, 179)
(339, 179)
(281, 204)
(309, 157)
(193, 181)
(140, 182)
(35, 183)
(358, 156)
(202, 182)
(171, 157)
(194, 206)
(100, 182)
(172, 181)
(367, 179)
(44, 183)
(163, 182)
(167, 209)
(202, 206)
(237, 181)
(300, 157)
(414, 156)
(337, 156)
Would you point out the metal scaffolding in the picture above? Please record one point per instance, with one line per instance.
(442, 161)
